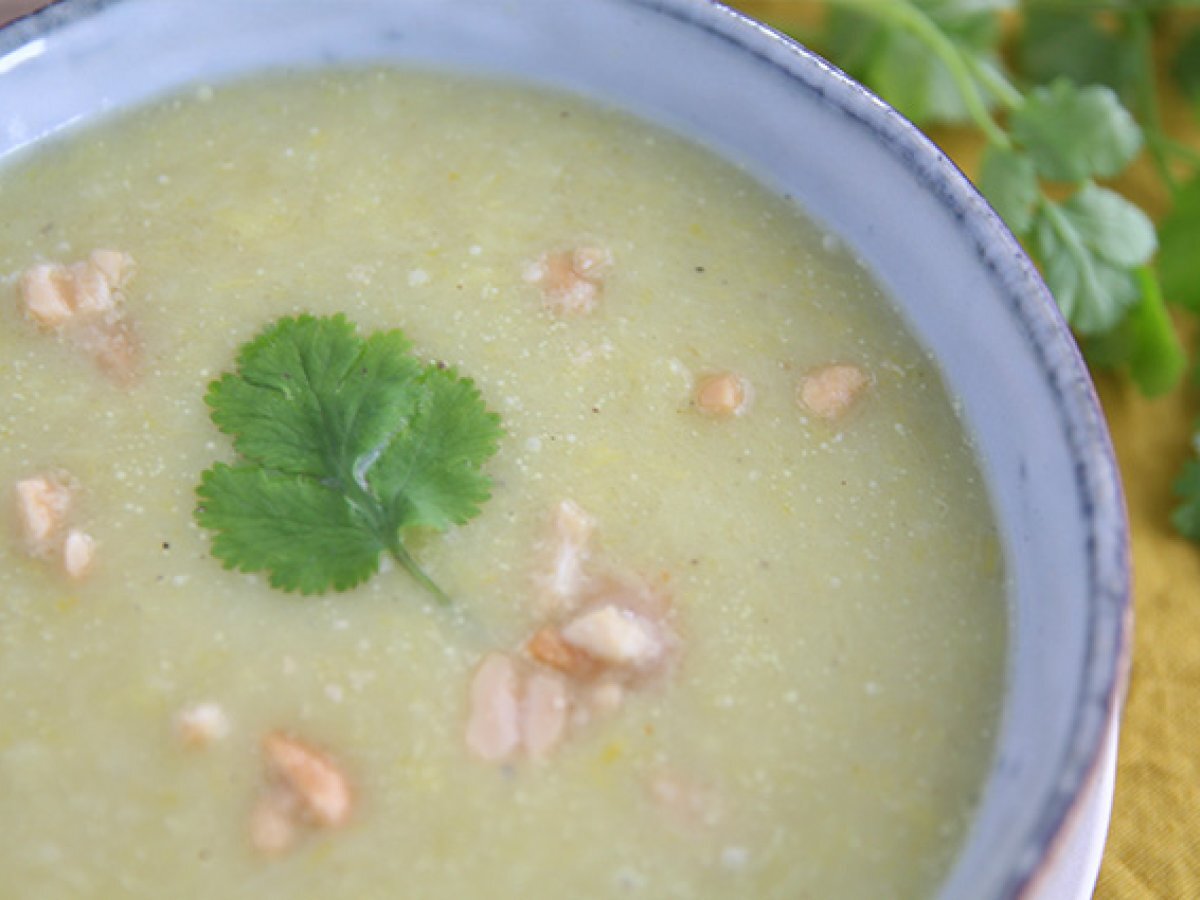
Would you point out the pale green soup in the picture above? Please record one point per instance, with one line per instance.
(838, 588)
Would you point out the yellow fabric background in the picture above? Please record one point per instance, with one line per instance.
(1154, 841)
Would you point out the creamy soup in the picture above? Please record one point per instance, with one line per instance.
(706, 401)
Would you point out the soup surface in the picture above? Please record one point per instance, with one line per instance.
(836, 585)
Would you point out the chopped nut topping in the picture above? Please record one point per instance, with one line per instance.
(723, 395)
(43, 510)
(42, 505)
(79, 551)
(571, 280)
(831, 390)
(82, 302)
(607, 634)
(564, 582)
(544, 708)
(493, 726)
(201, 725)
(274, 822)
(548, 647)
(616, 636)
(312, 777)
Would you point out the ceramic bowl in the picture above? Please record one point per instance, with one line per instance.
(962, 282)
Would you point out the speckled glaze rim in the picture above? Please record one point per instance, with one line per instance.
(56, 13)
(1062, 369)
(1097, 478)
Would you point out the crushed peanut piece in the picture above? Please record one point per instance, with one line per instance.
(616, 636)
(493, 725)
(43, 509)
(112, 346)
(314, 779)
(45, 292)
(571, 280)
(544, 708)
(54, 294)
(831, 390)
(79, 552)
(591, 262)
(565, 579)
(577, 665)
(43, 502)
(548, 647)
(116, 267)
(274, 822)
(81, 302)
(201, 725)
(723, 394)
(606, 698)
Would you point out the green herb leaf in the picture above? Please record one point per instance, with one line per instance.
(305, 535)
(1073, 45)
(899, 65)
(1009, 182)
(1145, 341)
(1087, 247)
(310, 397)
(346, 443)
(1075, 133)
(429, 474)
(1186, 517)
(1186, 65)
(854, 40)
(1178, 257)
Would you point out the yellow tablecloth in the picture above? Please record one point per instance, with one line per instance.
(1154, 842)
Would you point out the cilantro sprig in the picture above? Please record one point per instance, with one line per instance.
(345, 443)
(1065, 95)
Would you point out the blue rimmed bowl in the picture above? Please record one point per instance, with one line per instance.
(962, 282)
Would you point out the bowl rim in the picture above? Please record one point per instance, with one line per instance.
(1097, 478)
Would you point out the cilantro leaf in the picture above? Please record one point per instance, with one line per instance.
(345, 443)
(1010, 184)
(265, 520)
(918, 84)
(1186, 64)
(1186, 517)
(1072, 44)
(1075, 133)
(1145, 341)
(309, 396)
(428, 474)
(1177, 259)
(898, 64)
(1087, 246)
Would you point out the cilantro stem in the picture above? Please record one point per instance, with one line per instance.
(1147, 97)
(904, 14)
(387, 532)
(1070, 238)
(1157, 359)
(994, 81)
(402, 556)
